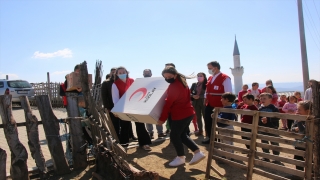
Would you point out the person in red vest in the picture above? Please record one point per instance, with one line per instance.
(218, 83)
(121, 84)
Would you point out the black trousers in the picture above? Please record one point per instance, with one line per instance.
(300, 158)
(208, 120)
(178, 135)
(289, 123)
(143, 136)
(267, 142)
(116, 123)
(247, 138)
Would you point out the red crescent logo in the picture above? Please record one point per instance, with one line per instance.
(143, 90)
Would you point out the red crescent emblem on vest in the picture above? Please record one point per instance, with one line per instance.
(143, 90)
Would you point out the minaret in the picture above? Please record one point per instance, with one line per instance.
(237, 70)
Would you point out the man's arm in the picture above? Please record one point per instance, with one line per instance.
(227, 85)
(115, 93)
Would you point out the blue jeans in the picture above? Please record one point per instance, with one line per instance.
(150, 128)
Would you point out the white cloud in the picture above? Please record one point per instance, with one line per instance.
(61, 72)
(64, 53)
(11, 76)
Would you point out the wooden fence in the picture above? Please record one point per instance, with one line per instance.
(252, 164)
(51, 89)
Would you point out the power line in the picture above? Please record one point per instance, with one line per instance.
(316, 9)
(313, 37)
(311, 19)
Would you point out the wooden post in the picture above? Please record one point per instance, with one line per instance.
(19, 155)
(211, 146)
(79, 149)
(253, 144)
(33, 137)
(51, 129)
(308, 156)
(48, 84)
(316, 112)
(3, 163)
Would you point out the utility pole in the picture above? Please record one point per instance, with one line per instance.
(304, 58)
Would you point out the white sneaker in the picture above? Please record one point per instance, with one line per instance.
(197, 158)
(178, 161)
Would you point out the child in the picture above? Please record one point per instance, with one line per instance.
(257, 103)
(270, 122)
(242, 92)
(290, 107)
(235, 104)
(255, 91)
(248, 104)
(227, 100)
(273, 92)
(304, 108)
(297, 94)
(281, 102)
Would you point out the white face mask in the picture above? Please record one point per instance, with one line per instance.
(210, 71)
(200, 79)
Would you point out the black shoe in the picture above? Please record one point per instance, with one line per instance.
(206, 141)
(124, 145)
(168, 131)
(133, 138)
(151, 135)
(162, 135)
(265, 159)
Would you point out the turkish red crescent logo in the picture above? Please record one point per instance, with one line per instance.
(143, 90)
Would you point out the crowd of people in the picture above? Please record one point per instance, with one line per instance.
(184, 105)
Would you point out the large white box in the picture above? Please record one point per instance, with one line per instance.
(143, 101)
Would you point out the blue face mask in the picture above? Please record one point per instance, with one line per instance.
(122, 76)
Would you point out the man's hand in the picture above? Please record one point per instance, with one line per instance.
(264, 120)
(159, 123)
(79, 89)
(115, 115)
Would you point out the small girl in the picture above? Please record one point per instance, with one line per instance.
(291, 108)
(297, 94)
(304, 108)
(270, 89)
(281, 102)
(257, 102)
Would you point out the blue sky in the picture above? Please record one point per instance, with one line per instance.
(37, 37)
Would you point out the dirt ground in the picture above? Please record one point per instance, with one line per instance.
(163, 153)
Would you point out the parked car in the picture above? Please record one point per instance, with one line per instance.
(16, 88)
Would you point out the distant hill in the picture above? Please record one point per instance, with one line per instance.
(289, 86)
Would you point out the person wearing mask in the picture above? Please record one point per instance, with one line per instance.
(121, 84)
(198, 90)
(147, 73)
(218, 83)
(178, 105)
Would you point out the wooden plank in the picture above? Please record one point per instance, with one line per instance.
(19, 155)
(235, 123)
(233, 139)
(230, 147)
(238, 111)
(282, 159)
(51, 129)
(309, 149)
(79, 149)
(229, 162)
(253, 144)
(234, 132)
(33, 137)
(281, 149)
(211, 146)
(279, 132)
(229, 155)
(20, 124)
(268, 175)
(283, 116)
(217, 171)
(279, 168)
(282, 140)
(3, 164)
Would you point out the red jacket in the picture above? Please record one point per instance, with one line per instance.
(217, 88)
(64, 98)
(248, 118)
(281, 104)
(123, 86)
(177, 103)
(240, 94)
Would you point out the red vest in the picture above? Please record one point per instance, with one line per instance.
(64, 98)
(217, 88)
(123, 86)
